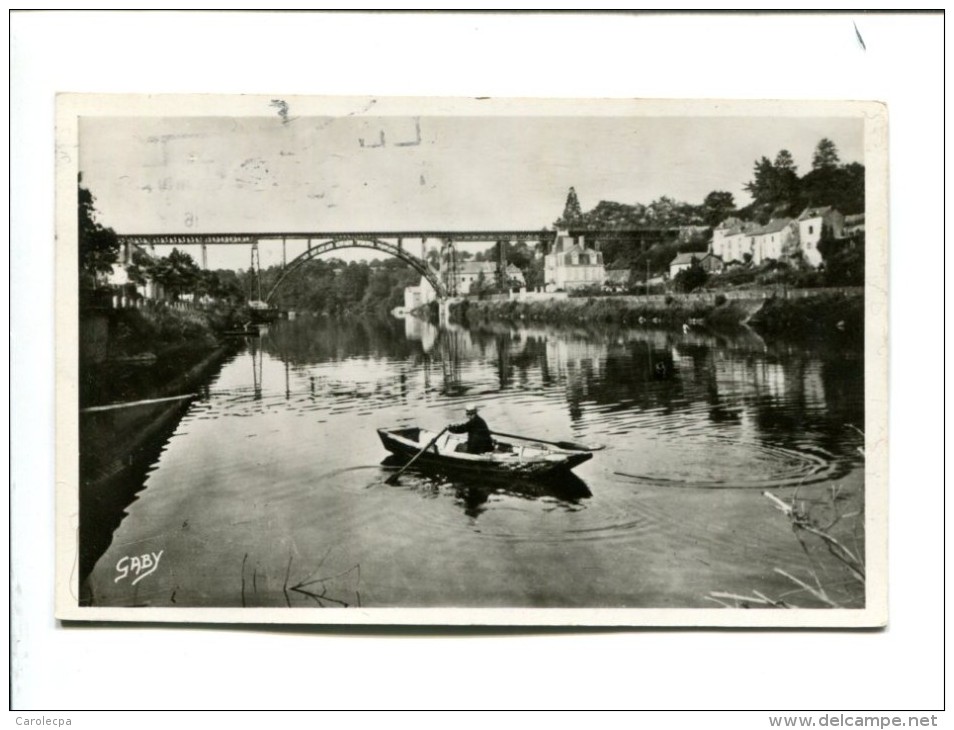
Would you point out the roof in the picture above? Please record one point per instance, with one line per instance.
(741, 227)
(730, 222)
(773, 226)
(820, 212)
(476, 267)
(856, 218)
(685, 258)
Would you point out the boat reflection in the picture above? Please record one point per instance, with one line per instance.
(473, 492)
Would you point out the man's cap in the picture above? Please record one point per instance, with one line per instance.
(471, 408)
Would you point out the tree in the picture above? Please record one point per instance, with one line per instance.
(762, 188)
(98, 245)
(841, 187)
(843, 259)
(483, 285)
(717, 206)
(140, 268)
(534, 274)
(572, 213)
(786, 178)
(826, 155)
(775, 185)
(178, 273)
(691, 278)
(662, 212)
(784, 161)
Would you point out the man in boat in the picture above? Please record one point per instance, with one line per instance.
(479, 440)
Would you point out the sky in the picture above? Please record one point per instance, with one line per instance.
(312, 173)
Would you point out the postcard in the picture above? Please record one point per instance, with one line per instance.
(451, 361)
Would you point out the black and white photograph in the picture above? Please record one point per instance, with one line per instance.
(411, 360)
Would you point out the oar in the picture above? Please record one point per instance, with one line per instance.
(394, 477)
(568, 445)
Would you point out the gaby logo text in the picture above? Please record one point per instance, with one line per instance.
(138, 565)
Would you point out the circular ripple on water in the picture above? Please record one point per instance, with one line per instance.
(721, 463)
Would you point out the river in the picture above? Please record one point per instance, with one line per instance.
(271, 490)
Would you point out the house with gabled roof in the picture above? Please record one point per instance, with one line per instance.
(813, 224)
(726, 228)
(733, 239)
(682, 262)
(777, 239)
(707, 260)
(572, 265)
(469, 274)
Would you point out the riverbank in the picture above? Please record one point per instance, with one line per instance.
(129, 354)
(139, 362)
(807, 314)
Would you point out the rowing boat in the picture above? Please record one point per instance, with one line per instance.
(513, 456)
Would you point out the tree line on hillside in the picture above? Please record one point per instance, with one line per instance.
(776, 189)
(331, 286)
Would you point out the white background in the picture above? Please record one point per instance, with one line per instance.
(663, 56)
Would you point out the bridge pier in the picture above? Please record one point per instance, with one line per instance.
(501, 265)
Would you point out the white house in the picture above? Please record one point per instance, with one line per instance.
(733, 239)
(416, 296)
(119, 276)
(682, 262)
(468, 274)
(726, 228)
(571, 265)
(709, 262)
(776, 239)
(812, 224)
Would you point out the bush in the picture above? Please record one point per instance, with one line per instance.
(689, 279)
(590, 290)
(844, 262)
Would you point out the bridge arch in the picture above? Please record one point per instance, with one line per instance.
(373, 243)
